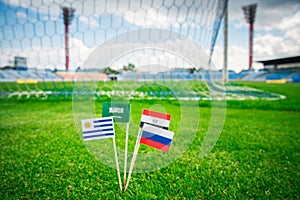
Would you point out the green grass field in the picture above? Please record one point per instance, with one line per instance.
(256, 157)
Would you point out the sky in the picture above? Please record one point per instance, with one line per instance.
(276, 32)
(34, 29)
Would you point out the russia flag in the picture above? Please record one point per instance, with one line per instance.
(156, 137)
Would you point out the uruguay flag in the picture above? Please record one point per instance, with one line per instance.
(156, 137)
(155, 118)
(98, 128)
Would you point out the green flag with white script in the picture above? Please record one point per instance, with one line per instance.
(120, 112)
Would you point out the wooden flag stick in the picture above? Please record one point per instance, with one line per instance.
(136, 149)
(126, 153)
(117, 163)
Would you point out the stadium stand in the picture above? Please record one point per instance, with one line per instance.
(14, 75)
(233, 76)
(4, 76)
(281, 69)
(275, 72)
(255, 76)
(280, 74)
(83, 76)
(296, 78)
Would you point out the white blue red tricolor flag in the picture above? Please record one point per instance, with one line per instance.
(155, 118)
(156, 137)
(98, 128)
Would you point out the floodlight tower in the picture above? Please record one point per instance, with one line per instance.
(249, 12)
(225, 70)
(68, 14)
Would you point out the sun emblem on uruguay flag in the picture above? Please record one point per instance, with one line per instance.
(87, 125)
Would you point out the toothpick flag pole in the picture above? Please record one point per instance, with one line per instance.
(126, 152)
(120, 113)
(158, 122)
(136, 149)
(117, 163)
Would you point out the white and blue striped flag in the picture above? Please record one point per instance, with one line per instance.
(98, 128)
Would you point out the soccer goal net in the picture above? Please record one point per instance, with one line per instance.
(47, 46)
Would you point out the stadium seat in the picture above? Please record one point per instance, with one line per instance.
(296, 78)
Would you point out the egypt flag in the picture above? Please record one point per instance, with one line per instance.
(98, 128)
(156, 137)
(155, 118)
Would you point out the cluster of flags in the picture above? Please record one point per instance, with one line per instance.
(153, 132)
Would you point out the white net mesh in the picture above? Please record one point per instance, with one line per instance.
(35, 32)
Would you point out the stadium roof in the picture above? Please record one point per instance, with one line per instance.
(288, 60)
